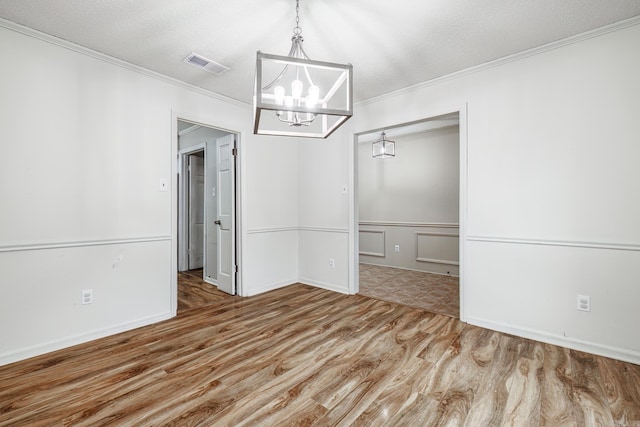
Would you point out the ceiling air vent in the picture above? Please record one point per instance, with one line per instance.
(205, 64)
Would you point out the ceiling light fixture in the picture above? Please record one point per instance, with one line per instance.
(296, 96)
(383, 148)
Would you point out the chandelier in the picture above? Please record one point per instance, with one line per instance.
(383, 148)
(297, 96)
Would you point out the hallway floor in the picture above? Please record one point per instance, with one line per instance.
(434, 293)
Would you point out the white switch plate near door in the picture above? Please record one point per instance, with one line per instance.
(164, 185)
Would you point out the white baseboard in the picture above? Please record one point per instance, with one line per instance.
(270, 287)
(324, 285)
(622, 354)
(41, 349)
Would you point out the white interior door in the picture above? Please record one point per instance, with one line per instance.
(196, 212)
(225, 214)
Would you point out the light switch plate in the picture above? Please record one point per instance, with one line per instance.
(164, 185)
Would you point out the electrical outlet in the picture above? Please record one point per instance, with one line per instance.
(87, 296)
(332, 262)
(584, 303)
(396, 248)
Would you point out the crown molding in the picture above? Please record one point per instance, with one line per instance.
(30, 32)
(630, 22)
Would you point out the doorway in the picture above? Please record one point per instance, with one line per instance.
(207, 230)
(408, 215)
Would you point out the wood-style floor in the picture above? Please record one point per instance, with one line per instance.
(193, 292)
(434, 293)
(307, 356)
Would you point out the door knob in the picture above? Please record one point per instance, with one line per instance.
(217, 221)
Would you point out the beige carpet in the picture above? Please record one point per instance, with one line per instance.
(431, 292)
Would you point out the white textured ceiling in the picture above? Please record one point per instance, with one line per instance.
(391, 44)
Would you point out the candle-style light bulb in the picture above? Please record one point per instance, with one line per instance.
(296, 89)
(278, 93)
(313, 96)
(288, 101)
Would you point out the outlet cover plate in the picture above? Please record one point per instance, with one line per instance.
(584, 303)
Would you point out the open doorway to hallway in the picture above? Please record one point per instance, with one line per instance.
(207, 256)
(409, 216)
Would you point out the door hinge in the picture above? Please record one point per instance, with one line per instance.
(236, 268)
(234, 151)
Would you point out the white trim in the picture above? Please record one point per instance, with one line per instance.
(424, 233)
(409, 269)
(82, 243)
(183, 187)
(30, 32)
(573, 343)
(284, 229)
(462, 231)
(271, 230)
(40, 349)
(410, 224)
(437, 261)
(323, 285)
(271, 287)
(191, 150)
(378, 254)
(189, 130)
(507, 59)
(568, 243)
(325, 229)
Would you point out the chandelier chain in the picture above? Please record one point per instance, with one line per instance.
(297, 30)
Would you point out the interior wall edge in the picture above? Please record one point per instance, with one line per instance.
(40, 349)
(548, 242)
(270, 287)
(324, 285)
(81, 243)
(622, 354)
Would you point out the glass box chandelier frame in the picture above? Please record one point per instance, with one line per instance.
(383, 148)
(320, 98)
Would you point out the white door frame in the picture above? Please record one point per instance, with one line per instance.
(354, 250)
(183, 200)
(176, 165)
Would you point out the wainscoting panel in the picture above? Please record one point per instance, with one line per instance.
(130, 280)
(439, 248)
(372, 242)
(430, 247)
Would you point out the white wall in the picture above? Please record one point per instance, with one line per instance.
(410, 201)
(419, 184)
(323, 175)
(86, 140)
(271, 254)
(552, 182)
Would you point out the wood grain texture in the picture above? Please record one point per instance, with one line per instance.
(306, 356)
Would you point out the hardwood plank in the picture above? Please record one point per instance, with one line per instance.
(306, 356)
(524, 387)
(591, 405)
(557, 388)
(621, 383)
(490, 402)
